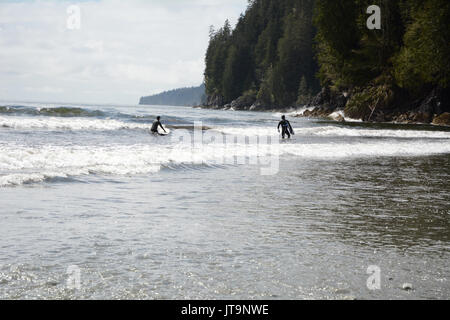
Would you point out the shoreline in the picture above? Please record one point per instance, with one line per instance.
(319, 112)
(398, 107)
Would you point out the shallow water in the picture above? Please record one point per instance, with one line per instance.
(145, 217)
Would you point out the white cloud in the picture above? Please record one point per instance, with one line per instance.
(124, 49)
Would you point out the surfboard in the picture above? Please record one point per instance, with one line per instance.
(160, 134)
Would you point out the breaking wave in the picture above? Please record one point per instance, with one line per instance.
(54, 123)
(53, 112)
(24, 164)
(334, 131)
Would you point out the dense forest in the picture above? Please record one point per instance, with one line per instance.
(268, 56)
(178, 97)
(286, 53)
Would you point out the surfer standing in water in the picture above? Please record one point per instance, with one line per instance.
(156, 125)
(286, 127)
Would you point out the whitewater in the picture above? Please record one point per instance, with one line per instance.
(25, 163)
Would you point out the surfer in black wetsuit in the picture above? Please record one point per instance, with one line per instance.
(286, 127)
(156, 125)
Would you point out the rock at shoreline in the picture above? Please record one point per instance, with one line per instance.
(432, 108)
(244, 102)
(413, 117)
(340, 118)
(329, 99)
(442, 120)
(437, 102)
(214, 101)
(318, 112)
(422, 117)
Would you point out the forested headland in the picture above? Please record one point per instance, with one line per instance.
(178, 97)
(290, 53)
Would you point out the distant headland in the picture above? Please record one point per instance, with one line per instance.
(178, 97)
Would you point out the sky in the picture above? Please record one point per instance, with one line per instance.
(113, 51)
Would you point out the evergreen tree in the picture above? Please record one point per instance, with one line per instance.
(265, 95)
(304, 93)
(425, 57)
(276, 33)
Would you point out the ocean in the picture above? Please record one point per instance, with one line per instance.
(93, 206)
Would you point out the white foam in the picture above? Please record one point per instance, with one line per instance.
(27, 164)
(248, 131)
(53, 123)
(301, 111)
(293, 112)
(347, 119)
(340, 113)
(335, 131)
(389, 133)
(363, 150)
(31, 164)
(335, 115)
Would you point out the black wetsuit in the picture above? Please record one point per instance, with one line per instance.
(155, 126)
(286, 127)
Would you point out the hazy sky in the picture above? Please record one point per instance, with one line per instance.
(123, 50)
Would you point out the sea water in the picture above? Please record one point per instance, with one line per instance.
(92, 206)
